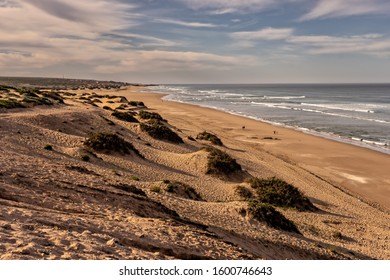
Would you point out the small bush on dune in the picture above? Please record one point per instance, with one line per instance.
(124, 116)
(150, 115)
(6, 89)
(160, 132)
(123, 99)
(48, 147)
(137, 103)
(209, 137)
(279, 193)
(182, 190)
(10, 104)
(55, 96)
(37, 100)
(109, 142)
(155, 189)
(29, 92)
(85, 157)
(243, 192)
(269, 215)
(220, 163)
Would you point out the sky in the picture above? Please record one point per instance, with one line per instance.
(197, 41)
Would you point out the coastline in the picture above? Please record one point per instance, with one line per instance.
(346, 137)
(357, 170)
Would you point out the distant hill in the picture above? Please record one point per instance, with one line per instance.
(59, 83)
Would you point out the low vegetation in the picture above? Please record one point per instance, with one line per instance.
(279, 193)
(269, 215)
(182, 190)
(155, 189)
(337, 235)
(85, 157)
(48, 147)
(269, 193)
(124, 116)
(10, 104)
(109, 142)
(160, 132)
(55, 96)
(6, 89)
(136, 103)
(146, 115)
(209, 137)
(35, 101)
(220, 163)
(243, 192)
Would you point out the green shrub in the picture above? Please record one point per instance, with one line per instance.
(124, 116)
(337, 235)
(244, 192)
(155, 189)
(37, 100)
(279, 193)
(269, 215)
(150, 115)
(29, 92)
(209, 137)
(109, 142)
(171, 187)
(48, 147)
(85, 157)
(137, 103)
(55, 96)
(182, 190)
(220, 163)
(10, 104)
(6, 89)
(123, 99)
(134, 178)
(160, 132)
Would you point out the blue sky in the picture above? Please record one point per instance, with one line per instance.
(197, 41)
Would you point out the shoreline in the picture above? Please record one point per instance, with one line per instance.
(326, 135)
(356, 170)
(372, 145)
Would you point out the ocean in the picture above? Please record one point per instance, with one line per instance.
(358, 114)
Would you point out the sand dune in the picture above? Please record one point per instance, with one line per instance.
(54, 205)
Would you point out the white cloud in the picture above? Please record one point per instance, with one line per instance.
(370, 44)
(340, 8)
(186, 23)
(267, 33)
(36, 34)
(153, 61)
(233, 6)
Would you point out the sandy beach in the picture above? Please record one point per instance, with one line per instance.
(55, 205)
(356, 170)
